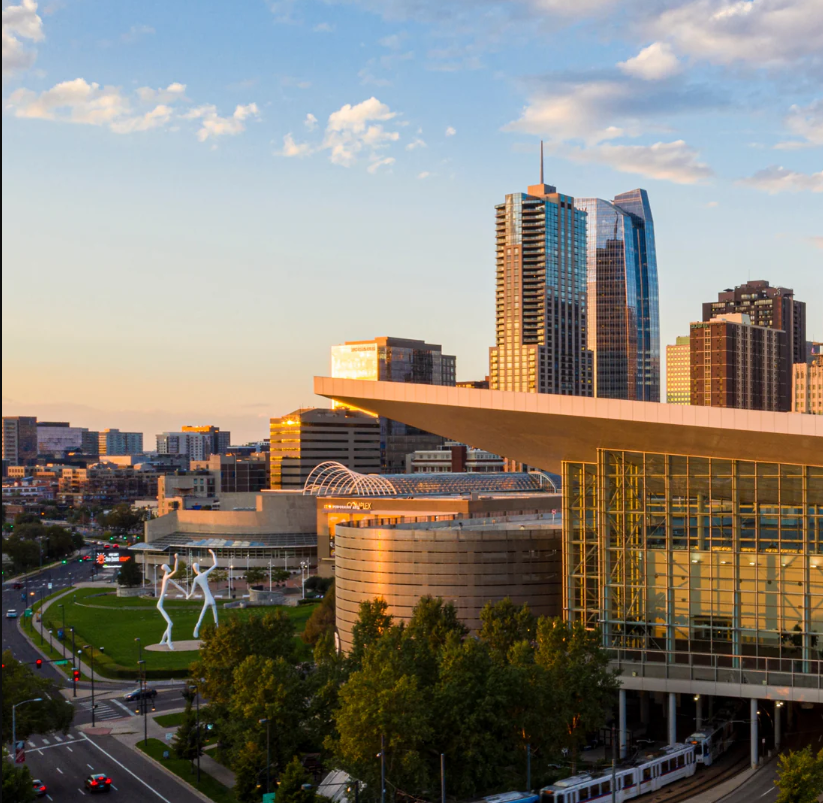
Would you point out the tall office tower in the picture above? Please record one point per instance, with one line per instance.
(678, 372)
(56, 438)
(807, 382)
(307, 437)
(623, 316)
(115, 442)
(19, 439)
(395, 359)
(736, 364)
(219, 441)
(776, 308)
(541, 295)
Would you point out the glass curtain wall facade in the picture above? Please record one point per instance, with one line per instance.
(624, 320)
(541, 296)
(698, 561)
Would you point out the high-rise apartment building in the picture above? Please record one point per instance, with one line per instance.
(395, 359)
(218, 440)
(807, 382)
(623, 331)
(196, 445)
(115, 442)
(19, 439)
(541, 307)
(736, 364)
(302, 440)
(56, 438)
(775, 308)
(678, 372)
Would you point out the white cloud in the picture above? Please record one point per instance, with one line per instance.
(292, 148)
(376, 165)
(136, 31)
(777, 179)
(668, 161)
(213, 125)
(158, 117)
(805, 122)
(323, 27)
(818, 241)
(74, 101)
(653, 63)
(424, 174)
(450, 132)
(20, 22)
(310, 122)
(757, 32)
(713, 204)
(352, 129)
(417, 143)
(392, 42)
(170, 94)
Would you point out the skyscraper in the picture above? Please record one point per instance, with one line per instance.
(115, 442)
(623, 309)
(807, 382)
(775, 308)
(736, 364)
(678, 372)
(396, 359)
(541, 289)
(19, 439)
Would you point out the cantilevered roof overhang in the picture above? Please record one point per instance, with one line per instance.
(543, 429)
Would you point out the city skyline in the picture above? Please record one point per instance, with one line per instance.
(144, 233)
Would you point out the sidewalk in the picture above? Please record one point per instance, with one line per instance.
(130, 732)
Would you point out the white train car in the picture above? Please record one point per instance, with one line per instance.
(653, 771)
(710, 743)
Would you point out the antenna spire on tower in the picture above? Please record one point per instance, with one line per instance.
(541, 161)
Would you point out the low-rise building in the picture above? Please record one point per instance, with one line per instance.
(115, 442)
(678, 372)
(807, 386)
(453, 457)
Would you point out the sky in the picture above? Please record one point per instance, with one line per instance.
(200, 198)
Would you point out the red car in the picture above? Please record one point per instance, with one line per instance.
(98, 783)
(17, 585)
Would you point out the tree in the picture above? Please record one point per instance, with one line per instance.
(26, 518)
(504, 624)
(122, 519)
(256, 574)
(576, 664)
(24, 554)
(131, 574)
(185, 744)
(290, 788)
(800, 776)
(17, 782)
(372, 622)
(250, 757)
(322, 620)
(20, 683)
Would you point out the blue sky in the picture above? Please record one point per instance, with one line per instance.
(200, 198)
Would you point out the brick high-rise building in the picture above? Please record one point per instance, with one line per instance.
(736, 364)
(807, 382)
(541, 295)
(775, 308)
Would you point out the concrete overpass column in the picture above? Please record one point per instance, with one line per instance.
(672, 718)
(777, 735)
(698, 706)
(753, 734)
(622, 723)
(644, 708)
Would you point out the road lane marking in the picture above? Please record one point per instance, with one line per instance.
(768, 790)
(81, 791)
(31, 744)
(90, 767)
(69, 749)
(127, 710)
(52, 746)
(137, 777)
(114, 787)
(59, 770)
(58, 738)
(46, 741)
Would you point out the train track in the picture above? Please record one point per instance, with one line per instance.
(736, 761)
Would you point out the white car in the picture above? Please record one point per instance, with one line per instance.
(12, 614)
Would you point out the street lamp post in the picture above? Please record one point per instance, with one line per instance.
(196, 690)
(268, 751)
(41, 617)
(63, 640)
(143, 702)
(73, 665)
(269, 577)
(100, 649)
(304, 568)
(14, 718)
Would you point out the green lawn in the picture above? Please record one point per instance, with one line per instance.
(182, 769)
(128, 618)
(170, 720)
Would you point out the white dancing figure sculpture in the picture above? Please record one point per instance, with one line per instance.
(202, 580)
(164, 583)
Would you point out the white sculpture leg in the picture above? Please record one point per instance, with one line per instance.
(167, 635)
(200, 620)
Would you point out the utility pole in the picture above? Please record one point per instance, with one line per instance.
(614, 767)
(73, 665)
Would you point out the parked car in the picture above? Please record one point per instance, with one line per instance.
(98, 783)
(140, 694)
(12, 614)
(16, 585)
(39, 788)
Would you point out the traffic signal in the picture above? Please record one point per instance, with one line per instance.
(65, 562)
(39, 663)
(75, 675)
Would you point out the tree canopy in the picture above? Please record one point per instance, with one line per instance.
(799, 776)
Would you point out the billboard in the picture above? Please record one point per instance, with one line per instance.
(110, 558)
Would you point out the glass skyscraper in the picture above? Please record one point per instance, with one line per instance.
(624, 318)
(541, 295)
